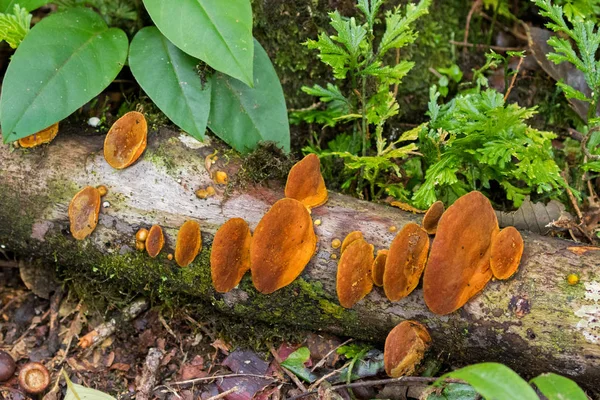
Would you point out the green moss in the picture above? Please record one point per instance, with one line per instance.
(61, 190)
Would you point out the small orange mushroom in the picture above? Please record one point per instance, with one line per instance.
(351, 237)
(126, 140)
(507, 249)
(379, 267)
(83, 212)
(102, 190)
(230, 254)
(141, 235)
(459, 262)
(432, 217)
(189, 243)
(283, 243)
(405, 262)
(354, 273)
(305, 182)
(221, 178)
(155, 241)
(404, 348)
(41, 137)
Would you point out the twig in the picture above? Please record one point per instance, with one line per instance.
(32, 327)
(324, 359)
(224, 394)
(329, 375)
(512, 31)
(514, 79)
(209, 378)
(148, 378)
(288, 373)
(13, 300)
(572, 198)
(433, 71)
(53, 341)
(486, 46)
(166, 326)
(474, 7)
(9, 264)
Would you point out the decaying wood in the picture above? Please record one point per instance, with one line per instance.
(535, 322)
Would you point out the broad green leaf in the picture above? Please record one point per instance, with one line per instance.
(14, 26)
(455, 391)
(65, 61)
(556, 387)
(244, 116)
(169, 77)
(29, 5)
(295, 363)
(215, 31)
(494, 381)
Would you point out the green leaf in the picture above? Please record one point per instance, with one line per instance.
(572, 93)
(398, 31)
(215, 31)
(14, 27)
(169, 77)
(66, 60)
(295, 363)
(29, 5)
(455, 391)
(78, 392)
(556, 387)
(494, 382)
(244, 116)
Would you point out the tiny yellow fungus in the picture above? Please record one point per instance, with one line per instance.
(221, 178)
(141, 235)
(573, 279)
(140, 246)
(336, 243)
(103, 190)
(317, 222)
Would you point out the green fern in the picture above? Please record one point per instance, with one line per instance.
(14, 27)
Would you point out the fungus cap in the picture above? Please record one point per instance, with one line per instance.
(354, 279)
(126, 140)
(155, 241)
(282, 245)
(34, 378)
(507, 249)
(305, 182)
(459, 261)
(379, 267)
(189, 243)
(405, 262)
(41, 137)
(404, 348)
(230, 254)
(351, 237)
(83, 212)
(432, 217)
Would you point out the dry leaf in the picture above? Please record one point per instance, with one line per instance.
(581, 250)
(534, 217)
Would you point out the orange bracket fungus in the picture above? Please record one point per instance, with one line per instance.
(379, 267)
(432, 217)
(405, 262)
(459, 262)
(230, 254)
(126, 140)
(354, 273)
(404, 348)
(507, 249)
(305, 182)
(189, 243)
(83, 212)
(283, 243)
(155, 241)
(221, 178)
(351, 237)
(41, 137)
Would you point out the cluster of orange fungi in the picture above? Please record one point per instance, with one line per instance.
(42, 137)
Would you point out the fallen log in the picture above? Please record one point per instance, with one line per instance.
(535, 322)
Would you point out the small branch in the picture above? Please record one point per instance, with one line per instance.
(474, 7)
(485, 46)
(512, 31)
(514, 79)
(9, 264)
(209, 378)
(288, 373)
(329, 375)
(324, 359)
(148, 378)
(224, 394)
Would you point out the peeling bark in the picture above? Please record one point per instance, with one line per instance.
(535, 322)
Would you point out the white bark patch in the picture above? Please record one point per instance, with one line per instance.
(589, 324)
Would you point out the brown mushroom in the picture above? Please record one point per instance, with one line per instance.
(354, 273)
(34, 378)
(305, 182)
(432, 217)
(283, 243)
(141, 235)
(351, 237)
(379, 267)
(83, 212)
(404, 348)
(459, 261)
(405, 262)
(126, 140)
(7, 366)
(230, 254)
(41, 137)
(507, 249)
(155, 241)
(189, 243)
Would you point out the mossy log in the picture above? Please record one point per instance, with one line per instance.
(535, 322)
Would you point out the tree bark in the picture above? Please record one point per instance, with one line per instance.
(535, 322)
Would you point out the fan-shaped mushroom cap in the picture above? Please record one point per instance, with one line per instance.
(432, 217)
(351, 237)
(305, 182)
(507, 249)
(354, 273)
(230, 254)
(83, 212)
(41, 137)
(283, 243)
(459, 261)
(189, 243)
(405, 262)
(126, 140)
(155, 241)
(404, 348)
(379, 267)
